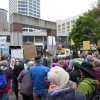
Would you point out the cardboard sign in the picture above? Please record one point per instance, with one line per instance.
(29, 51)
(86, 45)
(17, 53)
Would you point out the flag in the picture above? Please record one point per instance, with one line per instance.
(98, 44)
(72, 42)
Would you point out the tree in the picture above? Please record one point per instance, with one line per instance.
(87, 27)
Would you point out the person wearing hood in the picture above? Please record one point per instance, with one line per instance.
(26, 83)
(88, 82)
(4, 69)
(61, 88)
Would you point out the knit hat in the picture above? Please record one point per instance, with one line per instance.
(87, 68)
(37, 58)
(58, 76)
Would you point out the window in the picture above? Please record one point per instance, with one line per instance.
(30, 13)
(22, 5)
(22, 2)
(30, 10)
(38, 9)
(34, 15)
(30, 3)
(73, 21)
(30, 7)
(34, 8)
(30, 30)
(23, 12)
(38, 3)
(25, 30)
(63, 25)
(38, 16)
(38, 12)
(38, 39)
(34, 5)
(22, 8)
(30, 0)
(67, 23)
(34, 2)
(34, 11)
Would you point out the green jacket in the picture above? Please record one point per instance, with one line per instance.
(86, 86)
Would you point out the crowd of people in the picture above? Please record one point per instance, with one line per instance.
(74, 77)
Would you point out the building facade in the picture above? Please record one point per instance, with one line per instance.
(30, 30)
(3, 20)
(25, 7)
(63, 29)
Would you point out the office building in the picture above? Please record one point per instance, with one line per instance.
(64, 27)
(25, 7)
(3, 20)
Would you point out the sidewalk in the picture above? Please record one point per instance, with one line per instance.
(12, 96)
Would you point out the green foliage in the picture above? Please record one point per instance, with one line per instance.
(87, 27)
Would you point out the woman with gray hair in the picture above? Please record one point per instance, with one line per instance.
(61, 88)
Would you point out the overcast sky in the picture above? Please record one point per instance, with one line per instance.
(59, 9)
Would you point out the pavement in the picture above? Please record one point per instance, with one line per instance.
(11, 96)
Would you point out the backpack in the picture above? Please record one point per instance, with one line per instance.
(3, 80)
(95, 94)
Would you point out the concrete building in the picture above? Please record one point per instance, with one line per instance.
(30, 30)
(3, 20)
(25, 7)
(64, 27)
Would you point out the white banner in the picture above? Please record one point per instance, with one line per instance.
(17, 53)
(3, 42)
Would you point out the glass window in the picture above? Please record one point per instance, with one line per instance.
(38, 3)
(25, 30)
(68, 23)
(38, 16)
(34, 5)
(38, 12)
(30, 13)
(30, 7)
(30, 0)
(34, 14)
(34, 2)
(38, 9)
(30, 10)
(34, 11)
(22, 5)
(30, 3)
(63, 24)
(30, 30)
(20, 12)
(38, 39)
(22, 8)
(38, 0)
(22, 2)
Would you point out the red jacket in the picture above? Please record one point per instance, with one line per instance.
(7, 87)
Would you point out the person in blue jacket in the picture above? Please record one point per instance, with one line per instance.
(38, 73)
